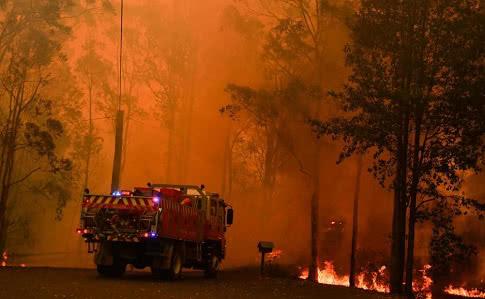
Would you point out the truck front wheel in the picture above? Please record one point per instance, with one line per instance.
(212, 267)
(174, 271)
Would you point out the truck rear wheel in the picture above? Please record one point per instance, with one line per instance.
(212, 267)
(174, 271)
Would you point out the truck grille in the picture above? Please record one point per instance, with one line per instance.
(89, 222)
(111, 221)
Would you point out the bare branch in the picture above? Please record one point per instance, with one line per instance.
(30, 173)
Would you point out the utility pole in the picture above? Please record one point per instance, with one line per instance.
(355, 222)
(115, 178)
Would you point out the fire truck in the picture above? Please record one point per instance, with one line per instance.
(165, 227)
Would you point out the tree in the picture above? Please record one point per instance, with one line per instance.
(29, 43)
(93, 70)
(264, 110)
(170, 62)
(412, 86)
(295, 52)
(447, 250)
(32, 136)
(355, 223)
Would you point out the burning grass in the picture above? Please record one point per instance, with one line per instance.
(378, 281)
(4, 261)
(461, 291)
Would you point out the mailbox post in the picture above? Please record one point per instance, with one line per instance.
(264, 247)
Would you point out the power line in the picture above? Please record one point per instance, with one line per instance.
(121, 55)
(117, 157)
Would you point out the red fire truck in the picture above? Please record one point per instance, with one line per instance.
(162, 226)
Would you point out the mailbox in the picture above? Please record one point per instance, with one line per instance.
(265, 247)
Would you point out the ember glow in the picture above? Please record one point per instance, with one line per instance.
(472, 293)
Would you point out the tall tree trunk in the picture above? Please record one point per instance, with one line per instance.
(126, 133)
(395, 271)
(355, 222)
(421, 11)
(225, 164)
(4, 194)
(170, 146)
(8, 159)
(3, 219)
(230, 172)
(5, 183)
(412, 204)
(118, 151)
(399, 212)
(314, 212)
(269, 166)
(3, 189)
(188, 119)
(90, 138)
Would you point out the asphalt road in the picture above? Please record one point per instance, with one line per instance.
(42, 283)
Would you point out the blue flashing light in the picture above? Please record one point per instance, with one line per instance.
(156, 200)
(116, 193)
(153, 234)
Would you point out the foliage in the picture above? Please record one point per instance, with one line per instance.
(33, 133)
(269, 113)
(445, 96)
(415, 99)
(447, 250)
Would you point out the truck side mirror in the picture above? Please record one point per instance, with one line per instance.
(230, 216)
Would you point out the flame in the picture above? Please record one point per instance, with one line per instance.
(372, 281)
(328, 275)
(276, 254)
(422, 285)
(377, 281)
(4, 259)
(460, 291)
